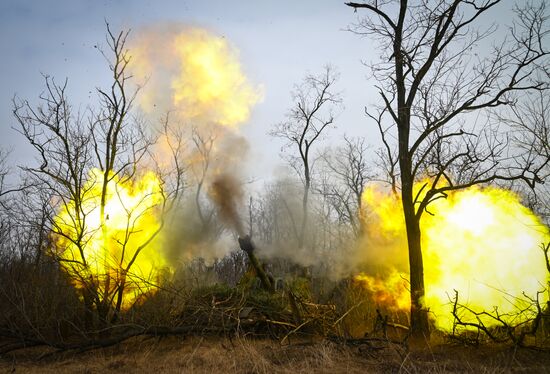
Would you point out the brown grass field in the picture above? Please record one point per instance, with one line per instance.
(240, 355)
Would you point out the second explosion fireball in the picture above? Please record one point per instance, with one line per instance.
(481, 242)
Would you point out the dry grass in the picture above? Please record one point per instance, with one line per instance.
(201, 355)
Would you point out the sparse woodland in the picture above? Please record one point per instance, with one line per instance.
(122, 231)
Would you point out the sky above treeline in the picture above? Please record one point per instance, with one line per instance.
(279, 42)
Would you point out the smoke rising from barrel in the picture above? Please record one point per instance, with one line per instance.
(225, 191)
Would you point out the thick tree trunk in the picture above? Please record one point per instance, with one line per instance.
(420, 329)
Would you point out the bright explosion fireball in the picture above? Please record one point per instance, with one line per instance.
(196, 73)
(125, 250)
(482, 243)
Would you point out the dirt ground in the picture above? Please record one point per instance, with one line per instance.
(210, 355)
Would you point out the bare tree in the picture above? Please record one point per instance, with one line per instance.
(346, 178)
(387, 154)
(118, 145)
(312, 114)
(80, 155)
(200, 166)
(437, 80)
(529, 119)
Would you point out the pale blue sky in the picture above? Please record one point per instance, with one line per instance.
(279, 41)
